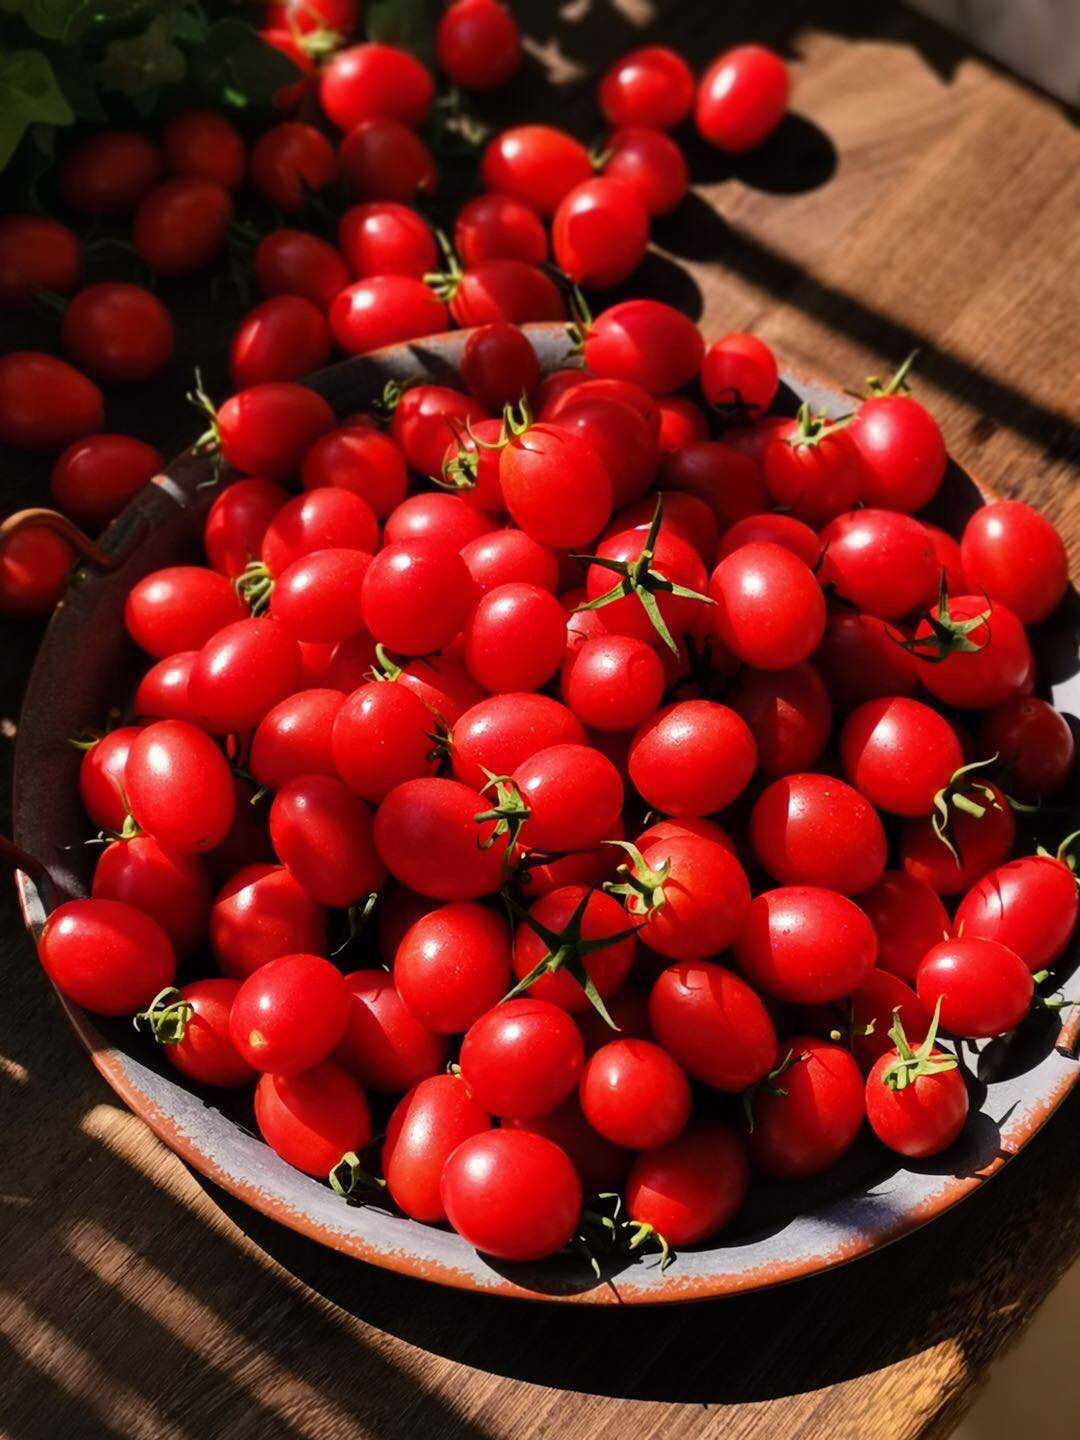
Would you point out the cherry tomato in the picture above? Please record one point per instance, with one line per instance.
(322, 834)
(247, 841)
(651, 164)
(205, 1051)
(511, 291)
(881, 561)
(600, 232)
(382, 159)
(713, 1024)
(375, 81)
(304, 16)
(182, 224)
(416, 596)
(522, 1058)
(317, 599)
(95, 477)
(433, 515)
(741, 98)
(324, 519)
(674, 560)
(282, 338)
(805, 944)
(45, 403)
(109, 172)
(101, 778)
(808, 1117)
(685, 515)
(162, 693)
(555, 486)
(999, 667)
(289, 1014)
(768, 608)
(908, 918)
(313, 1119)
(349, 663)
(428, 837)
(901, 450)
(35, 566)
(267, 429)
(983, 987)
(261, 914)
(292, 262)
(584, 918)
(179, 608)
(453, 965)
(426, 1127)
(924, 1117)
(237, 521)
(703, 894)
(862, 658)
(635, 1094)
(361, 459)
(382, 736)
(1015, 556)
(692, 758)
(653, 86)
(444, 685)
(900, 754)
(289, 162)
(621, 438)
(1029, 905)
(172, 889)
(494, 226)
(613, 682)
(179, 787)
(1033, 743)
(740, 370)
(36, 254)
(424, 421)
(498, 364)
(647, 342)
(787, 712)
(500, 732)
(690, 1189)
(105, 955)
(385, 1046)
(982, 839)
(386, 238)
(813, 471)
(872, 1007)
(514, 638)
(385, 310)
(730, 484)
(947, 559)
(511, 1194)
(478, 44)
(203, 143)
(681, 423)
(784, 530)
(536, 164)
(810, 829)
(240, 673)
(600, 1165)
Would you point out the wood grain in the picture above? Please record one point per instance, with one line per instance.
(918, 197)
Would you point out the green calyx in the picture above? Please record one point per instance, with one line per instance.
(910, 1064)
(446, 283)
(254, 585)
(166, 1016)
(948, 636)
(385, 668)
(876, 387)
(613, 1232)
(641, 887)
(209, 442)
(580, 324)
(459, 469)
(769, 1085)
(638, 578)
(509, 811)
(348, 1176)
(390, 398)
(972, 797)
(567, 949)
(811, 428)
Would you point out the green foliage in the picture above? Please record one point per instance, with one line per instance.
(29, 95)
(409, 24)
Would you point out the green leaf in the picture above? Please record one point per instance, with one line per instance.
(189, 24)
(408, 24)
(235, 67)
(76, 80)
(143, 63)
(29, 94)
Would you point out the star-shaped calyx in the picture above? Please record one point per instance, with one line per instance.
(567, 949)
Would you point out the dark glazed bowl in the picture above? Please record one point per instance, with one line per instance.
(85, 662)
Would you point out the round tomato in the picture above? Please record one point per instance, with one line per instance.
(385, 1046)
(453, 965)
(240, 673)
(714, 1024)
(973, 653)
(192, 1027)
(203, 143)
(511, 1194)
(635, 1094)
(979, 836)
(106, 956)
(536, 164)
(109, 172)
(692, 758)
(45, 403)
(805, 944)
(573, 924)
(292, 262)
(362, 460)
(283, 338)
(494, 227)
(311, 1120)
(291, 161)
(366, 81)
(35, 567)
(179, 787)
(95, 477)
(742, 97)
(902, 452)
(478, 44)
(426, 1127)
(261, 914)
(323, 834)
(881, 562)
(382, 159)
(900, 754)
(647, 342)
(1014, 555)
(429, 838)
(810, 1114)
(522, 1058)
(688, 1190)
(809, 829)
(740, 371)
(908, 918)
(182, 224)
(787, 712)
(1033, 743)
(688, 888)
(768, 608)
(1029, 905)
(36, 254)
(173, 889)
(652, 86)
(600, 232)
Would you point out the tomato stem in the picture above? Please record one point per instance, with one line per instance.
(167, 1016)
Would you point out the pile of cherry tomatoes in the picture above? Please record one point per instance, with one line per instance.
(554, 813)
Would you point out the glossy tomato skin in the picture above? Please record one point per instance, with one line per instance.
(444, 685)
(652, 164)
(511, 1194)
(652, 86)
(416, 596)
(384, 1045)
(35, 254)
(381, 737)
(1029, 905)
(692, 758)
(787, 712)
(109, 172)
(1000, 668)
(241, 672)
(900, 754)
(203, 143)
(574, 796)
(326, 519)
(514, 638)
(805, 944)
(179, 786)
(478, 44)
(600, 1165)
(289, 1014)
(261, 913)
(1013, 554)
(206, 1053)
(690, 1189)
(688, 516)
(119, 334)
(45, 403)
(182, 224)
(1033, 743)
(983, 987)
(901, 450)
(426, 1127)
(362, 460)
(496, 226)
(807, 1129)
(740, 370)
(602, 918)
(502, 731)
(366, 81)
(714, 1025)
(880, 561)
(95, 477)
(872, 1005)
(706, 894)
(681, 423)
(237, 521)
(768, 608)
(672, 558)
(289, 161)
(742, 98)
(536, 164)
(449, 520)
(600, 232)
(386, 238)
(814, 481)
(292, 262)
(522, 1058)
(267, 429)
(981, 842)
(294, 738)
(499, 365)
(312, 1119)
(774, 529)
(428, 837)
(282, 338)
(809, 829)
(908, 918)
(511, 291)
(317, 600)
(635, 1094)
(35, 566)
(323, 834)
(862, 658)
(382, 159)
(385, 310)
(924, 1118)
(555, 486)
(106, 956)
(622, 438)
(179, 608)
(172, 889)
(647, 342)
(424, 422)
(453, 965)
(613, 682)
(101, 778)
(728, 481)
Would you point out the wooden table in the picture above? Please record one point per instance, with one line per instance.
(917, 197)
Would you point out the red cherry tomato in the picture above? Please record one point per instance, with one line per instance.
(453, 965)
(901, 450)
(692, 758)
(261, 914)
(179, 608)
(1029, 905)
(982, 841)
(511, 1194)
(713, 1024)
(317, 599)
(900, 754)
(382, 736)
(289, 1014)
(728, 482)
(179, 787)
(478, 44)
(652, 164)
(1000, 667)
(382, 159)
(385, 1046)
(35, 566)
(106, 956)
(515, 637)
(872, 1008)
(109, 172)
(787, 712)
(645, 341)
(182, 224)
(36, 254)
(324, 519)
(681, 423)
(267, 429)
(1033, 743)
(741, 98)
(805, 944)
(511, 291)
(162, 693)
(635, 1094)
(416, 596)
(810, 829)
(426, 1127)
(923, 1118)
(908, 918)
(586, 917)
(101, 778)
(283, 338)
(556, 488)
(740, 370)
(880, 561)
(499, 365)
(289, 162)
(247, 841)
(45, 403)
(772, 529)
(386, 238)
(292, 262)
(205, 1052)
(499, 227)
(375, 81)
(600, 232)
(862, 658)
(768, 610)
(1015, 556)
(622, 440)
(237, 521)
(813, 472)
(428, 837)
(304, 16)
(675, 561)
(613, 682)
(653, 86)
(500, 732)
(240, 673)
(705, 892)
(95, 477)
(203, 143)
(537, 164)
(313, 1119)
(172, 889)
(522, 1058)
(322, 834)
(600, 1165)
(433, 515)
(444, 685)
(810, 1116)
(982, 986)
(360, 459)
(690, 1189)
(385, 310)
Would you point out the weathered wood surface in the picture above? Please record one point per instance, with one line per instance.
(919, 197)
